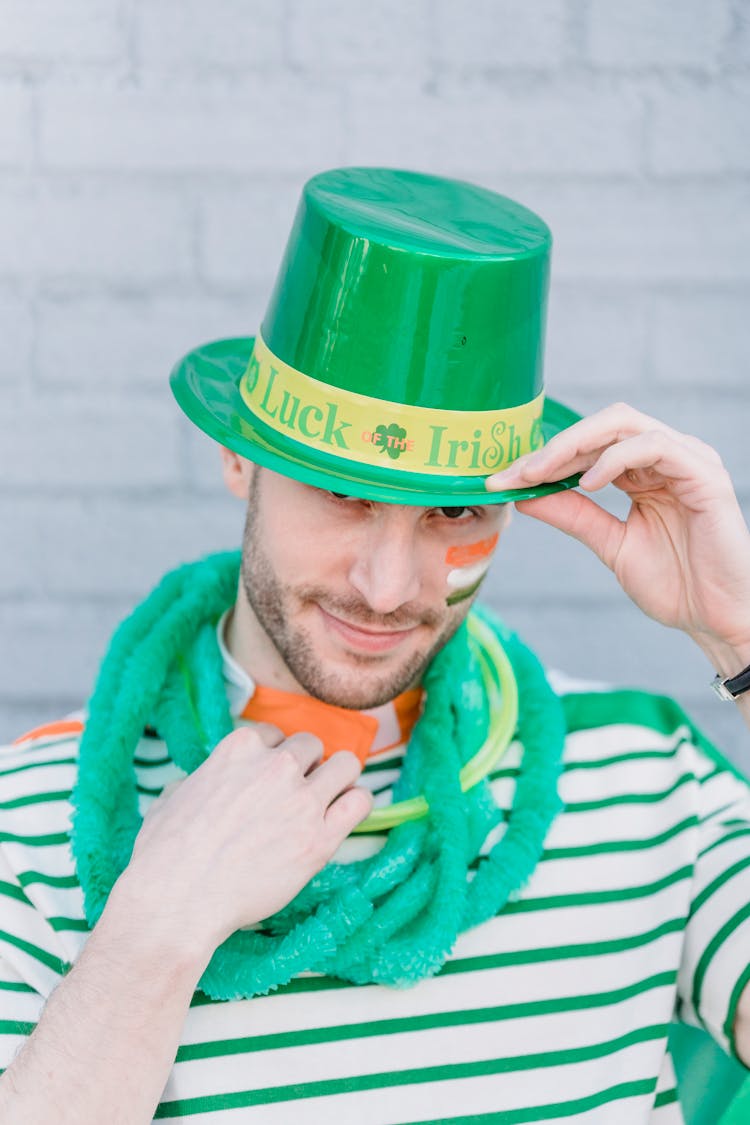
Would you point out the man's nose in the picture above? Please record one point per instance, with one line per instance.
(385, 571)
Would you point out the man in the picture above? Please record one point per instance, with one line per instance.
(485, 949)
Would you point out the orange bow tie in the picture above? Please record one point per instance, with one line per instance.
(336, 727)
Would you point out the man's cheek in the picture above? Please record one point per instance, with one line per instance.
(467, 565)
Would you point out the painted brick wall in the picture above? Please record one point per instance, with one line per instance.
(151, 155)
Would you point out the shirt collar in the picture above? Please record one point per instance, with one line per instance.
(240, 684)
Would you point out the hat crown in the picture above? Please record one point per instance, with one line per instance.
(426, 214)
(413, 288)
(400, 357)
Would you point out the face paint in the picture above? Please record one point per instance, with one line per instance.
(471, 562)
(462, 595)
(471, 552)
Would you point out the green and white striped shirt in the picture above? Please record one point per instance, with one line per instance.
(557, 1009)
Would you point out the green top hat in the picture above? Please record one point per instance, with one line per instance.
(400, 357)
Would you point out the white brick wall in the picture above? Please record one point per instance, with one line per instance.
(123, 342)
(501, 34)
(85, 229)
(82, 547)
(701, 131)
(15, 341)
(472, 127)
(648, 232)
(15, 126)
(196, 38)
(701, 339)
(737, 53)
(79, 31)
(242, 232)
(272, 124)
(151, 157)
(338, 37)
(657, 33)
(89, 443)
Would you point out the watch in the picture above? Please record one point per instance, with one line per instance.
(732, 686)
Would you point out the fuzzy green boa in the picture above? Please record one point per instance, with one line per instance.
(391, 919)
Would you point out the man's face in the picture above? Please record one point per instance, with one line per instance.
(358, 596)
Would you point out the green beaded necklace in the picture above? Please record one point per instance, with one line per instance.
(392, 918)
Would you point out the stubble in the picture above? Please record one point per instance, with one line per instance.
(360, 685)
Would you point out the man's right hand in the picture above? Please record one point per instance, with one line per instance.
(224, 848)
(236, 840)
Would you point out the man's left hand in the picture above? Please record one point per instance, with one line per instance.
(683, 552)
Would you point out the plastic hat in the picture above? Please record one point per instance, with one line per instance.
(400, 357)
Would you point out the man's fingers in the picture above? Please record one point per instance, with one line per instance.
(332, 777)
(576, 448)
(346, 812)
(664, 452)
(529, 472)
(593, 434)
(268, 733)
(587, 446)
(581, 518)
(306, 748)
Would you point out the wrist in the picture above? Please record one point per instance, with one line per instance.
(728, 658)
(149, 931)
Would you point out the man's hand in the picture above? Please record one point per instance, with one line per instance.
(236, 840)
(683, 553)
(226, 847)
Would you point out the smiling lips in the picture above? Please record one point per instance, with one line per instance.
(367, 640)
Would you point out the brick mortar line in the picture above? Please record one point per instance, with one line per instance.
(69, 291)
(155, 495)
(734, 27)
(88, 176)
(234, 178)
(440, 78)
(60, 290)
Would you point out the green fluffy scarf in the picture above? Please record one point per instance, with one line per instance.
(391, 919)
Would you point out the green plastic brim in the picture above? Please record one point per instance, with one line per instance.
(206, 385)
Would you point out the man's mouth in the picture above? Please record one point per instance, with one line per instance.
(365, 637)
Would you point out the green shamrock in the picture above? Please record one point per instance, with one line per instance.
(390, 439)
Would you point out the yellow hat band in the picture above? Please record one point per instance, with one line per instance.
(373, 431)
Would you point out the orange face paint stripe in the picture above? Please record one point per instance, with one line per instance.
(471, 552)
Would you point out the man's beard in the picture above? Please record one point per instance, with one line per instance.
(270, 600)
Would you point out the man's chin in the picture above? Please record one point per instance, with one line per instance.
(360, 683)
(333, 667)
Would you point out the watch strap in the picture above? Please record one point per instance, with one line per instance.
(732, 686)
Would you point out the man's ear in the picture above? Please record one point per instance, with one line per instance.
(237, 472)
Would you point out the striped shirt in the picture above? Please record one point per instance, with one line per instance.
(557, 1009)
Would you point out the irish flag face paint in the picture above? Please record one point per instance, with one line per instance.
(469, 563)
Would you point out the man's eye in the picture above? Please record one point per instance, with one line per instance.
(345, 500)
(456, 513)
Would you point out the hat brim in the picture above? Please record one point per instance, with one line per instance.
(205, 383)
